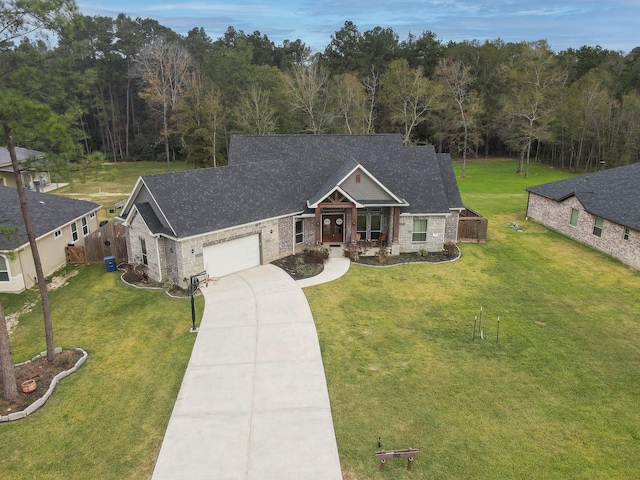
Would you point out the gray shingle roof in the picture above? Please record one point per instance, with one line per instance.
(274, 175)
(612, 194)
(21, 154)
(48, 213)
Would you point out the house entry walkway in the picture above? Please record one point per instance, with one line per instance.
(254, 402)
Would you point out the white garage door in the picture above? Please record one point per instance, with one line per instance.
(232, 256)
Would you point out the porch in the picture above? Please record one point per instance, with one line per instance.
(369, 228)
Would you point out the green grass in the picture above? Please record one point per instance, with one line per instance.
(555, 398)
(108, 419)
(113, 182)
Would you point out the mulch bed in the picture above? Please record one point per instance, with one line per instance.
(301, 265)
(43, 373)
(429, 257)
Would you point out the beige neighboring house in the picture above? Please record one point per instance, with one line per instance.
(36, 181)
(57, 222)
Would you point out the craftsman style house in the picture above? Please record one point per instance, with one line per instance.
(56, 221)
(600, 209)
(283, 193)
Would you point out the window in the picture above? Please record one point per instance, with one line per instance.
(57, 234)
(85, 227)
(92, 215)
(299, 230)
(143, 248)
(4, 269)
(374, 225)
(574, 217)
(369, 224)
(627, 232)
(597, 226)
(419, 230)
(74, 232)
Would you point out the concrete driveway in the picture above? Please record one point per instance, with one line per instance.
(254, 402)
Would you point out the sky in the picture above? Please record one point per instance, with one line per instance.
(611, 24)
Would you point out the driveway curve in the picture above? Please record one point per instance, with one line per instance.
(253, 403)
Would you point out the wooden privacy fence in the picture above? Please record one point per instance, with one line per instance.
(108, 240)
(472, 227)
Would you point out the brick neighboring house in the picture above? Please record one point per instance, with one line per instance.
(601, 210)
(282, 193)
(56, 221)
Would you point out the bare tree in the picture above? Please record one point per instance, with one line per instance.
(372, 87)
(465, 106)
(409, 96)
(308, 92)
(200, 117)
(534, 79)
(163, 67)
(351, 103)
(254, 113)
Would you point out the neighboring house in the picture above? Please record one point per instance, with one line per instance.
(283, 193)
(57, 222)
(600, 209)
(37, 181)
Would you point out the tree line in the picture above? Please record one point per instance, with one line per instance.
(134, 89)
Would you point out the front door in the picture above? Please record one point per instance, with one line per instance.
(333, 228)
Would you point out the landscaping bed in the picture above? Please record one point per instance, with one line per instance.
(303, 265)
(40, 371)
(424, 257)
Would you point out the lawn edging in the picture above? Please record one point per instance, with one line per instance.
(411, 263)
(35, 406)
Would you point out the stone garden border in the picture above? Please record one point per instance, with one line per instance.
(35, 406)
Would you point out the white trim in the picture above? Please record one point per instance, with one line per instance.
(380, 184)
(425, 214)
(400, 201)
(158, 256)
(8, 265)
(129, 205)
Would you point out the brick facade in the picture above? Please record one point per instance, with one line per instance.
(436, 227)
(557, 216)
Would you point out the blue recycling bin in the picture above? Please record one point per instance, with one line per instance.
(110, 263)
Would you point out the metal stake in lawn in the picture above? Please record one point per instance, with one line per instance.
(194, 283)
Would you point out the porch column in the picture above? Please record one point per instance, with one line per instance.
(396, 224)
(318, 225)
(354, 223)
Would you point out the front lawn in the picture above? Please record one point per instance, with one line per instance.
(108, 419)
(556, 397)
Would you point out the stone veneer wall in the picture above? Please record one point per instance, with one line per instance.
(189, 251)
(451, 227)
(557, 215)
(136, 231)
(435, 233)
(285, 232)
